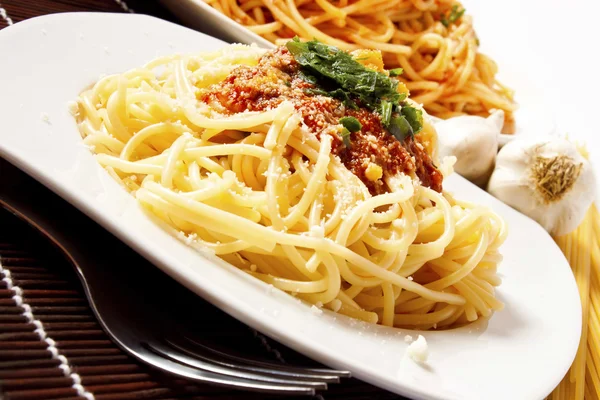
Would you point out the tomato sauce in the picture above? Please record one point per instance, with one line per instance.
(277, 78)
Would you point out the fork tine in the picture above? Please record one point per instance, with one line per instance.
(273, 369)
(268, 365)
(235, 382)
(225, 370)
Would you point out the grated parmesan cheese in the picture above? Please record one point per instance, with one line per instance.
(316, 310)
(73, 108)
(418, 350)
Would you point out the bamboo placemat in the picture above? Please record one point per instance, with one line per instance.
(51, 346)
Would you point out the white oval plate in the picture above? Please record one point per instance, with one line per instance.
(521, 353)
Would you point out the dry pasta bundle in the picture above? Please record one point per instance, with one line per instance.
(582, 249)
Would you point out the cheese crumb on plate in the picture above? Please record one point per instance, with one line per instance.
(418, 350)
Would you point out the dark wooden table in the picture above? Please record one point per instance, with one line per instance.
(38, 289)
(13, 11)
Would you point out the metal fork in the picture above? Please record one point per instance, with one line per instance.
(174, 331)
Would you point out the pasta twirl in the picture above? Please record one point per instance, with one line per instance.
(269, 190)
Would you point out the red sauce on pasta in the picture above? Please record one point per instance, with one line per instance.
(276, 79)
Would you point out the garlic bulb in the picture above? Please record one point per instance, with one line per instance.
(546, 179)
(473, 141)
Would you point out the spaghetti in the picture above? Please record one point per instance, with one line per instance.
(433, 41)
(582, 250)
(236, 152)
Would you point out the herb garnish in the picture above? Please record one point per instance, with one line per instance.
(346, 136)
(351, 123)
(331, 68)
(386, 112)
(414, 117)
(401, 128)
(396, 71)
(337, 74)
(455, 15)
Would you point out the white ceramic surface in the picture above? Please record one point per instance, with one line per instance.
(520, 353)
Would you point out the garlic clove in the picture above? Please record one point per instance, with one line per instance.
(503, 139)
(496, 119)
(473, 141)
(546, 179)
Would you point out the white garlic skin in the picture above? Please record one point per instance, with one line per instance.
(473, 141)
(512, 182)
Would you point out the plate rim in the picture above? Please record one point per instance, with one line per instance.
(239, 30)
